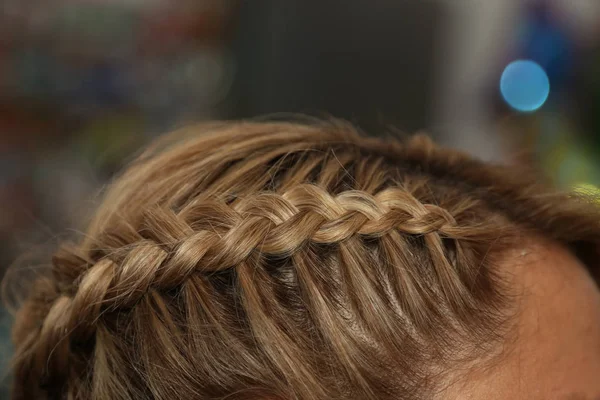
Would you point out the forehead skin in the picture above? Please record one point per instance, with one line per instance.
(556, 352)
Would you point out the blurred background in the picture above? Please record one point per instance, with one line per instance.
(85, 83)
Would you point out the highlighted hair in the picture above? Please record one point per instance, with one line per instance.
(286, 261)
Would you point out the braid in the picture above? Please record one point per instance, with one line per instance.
(209, 237)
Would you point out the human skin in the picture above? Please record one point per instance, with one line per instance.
(554, 353)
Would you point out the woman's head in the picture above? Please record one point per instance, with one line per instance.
(287, 261)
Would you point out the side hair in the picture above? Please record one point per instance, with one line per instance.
(286, 261)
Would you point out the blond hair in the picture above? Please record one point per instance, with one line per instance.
(286, 261)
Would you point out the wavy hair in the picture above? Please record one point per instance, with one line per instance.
(286, 261)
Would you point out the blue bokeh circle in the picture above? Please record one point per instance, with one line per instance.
(524, 85)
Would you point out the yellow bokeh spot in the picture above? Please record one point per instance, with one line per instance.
(588, 190)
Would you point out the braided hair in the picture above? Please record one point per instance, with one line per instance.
(285, 261)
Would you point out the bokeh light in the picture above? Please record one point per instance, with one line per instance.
(524, 85)
(588, 190)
